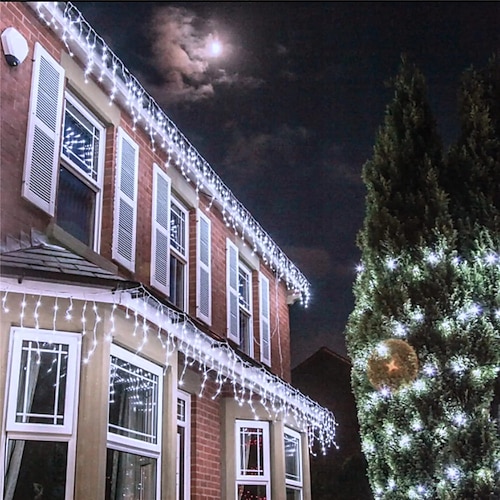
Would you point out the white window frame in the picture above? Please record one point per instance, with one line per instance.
(186, 450)
(183, 257)
(234, 305)
(260, 480)
(140, 362)
(295, 484)
(44, 432)
(94, 184)
(246, 309)
(135, 446)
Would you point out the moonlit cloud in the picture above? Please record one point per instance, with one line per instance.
(183, 44)
(249, 154)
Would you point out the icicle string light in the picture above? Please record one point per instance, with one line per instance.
(83, 42)
(250, 383)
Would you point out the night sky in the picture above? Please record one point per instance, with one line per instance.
(287, 113)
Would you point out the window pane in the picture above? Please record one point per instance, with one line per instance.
(177, 229)
(75, 206)
(42, 383)
(177, 282)
(130, 476)
(181, 410)
(252, 492)
(293, 494)
(245, 332)
(80, 141)
(36, 469)
(133, 401)
(252, 452)
(244, 288)
(292, 457)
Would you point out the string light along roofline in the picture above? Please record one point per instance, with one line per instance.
(150, 317)
(82, 41)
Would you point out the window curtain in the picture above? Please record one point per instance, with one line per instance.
(24, 398)
(131, 476)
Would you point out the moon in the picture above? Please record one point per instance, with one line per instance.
(215, 48)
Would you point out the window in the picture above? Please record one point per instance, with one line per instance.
(183, 465)
(178, 254)
(41, 414)
(293, 465)
(239, 300)
(245, 309)
(252, 460)
(80, 173)
(134, 427)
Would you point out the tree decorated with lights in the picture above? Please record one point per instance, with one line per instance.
(419, 335)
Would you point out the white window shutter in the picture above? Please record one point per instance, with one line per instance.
(125, 212)
(204, 269)
(265, 320)
(160, 228)
(44, 131)
(233, 310)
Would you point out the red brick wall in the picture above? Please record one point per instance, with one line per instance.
(20, 215)
(206, 445)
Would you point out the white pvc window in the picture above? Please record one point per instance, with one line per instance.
(134, 427)
(253, 475)
(79, 188)
(41, 414)
(238, 300)
(183, 463)
(178, 254)
(293, 465)
(245, 309)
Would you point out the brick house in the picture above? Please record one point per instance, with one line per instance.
(144, 328)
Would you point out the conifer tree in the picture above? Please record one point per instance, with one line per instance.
(472, 180)
(415, 365)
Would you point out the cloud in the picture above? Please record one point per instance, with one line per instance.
(187, 71)
(251, 153)
(315, 262)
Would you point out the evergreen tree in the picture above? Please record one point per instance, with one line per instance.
(472, 180)
(421, 426)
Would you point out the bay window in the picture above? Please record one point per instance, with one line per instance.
(41, 414)
(183, 464)
(134, 427)
(293, 465)
(253, 475)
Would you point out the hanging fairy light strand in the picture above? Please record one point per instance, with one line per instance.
(84, 43)
(151, 318)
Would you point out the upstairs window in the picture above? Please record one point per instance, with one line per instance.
(80, 173)
(245, 309)
(239, 300)
(178, 254)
